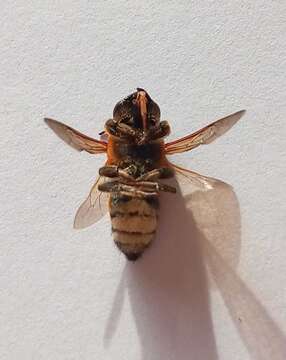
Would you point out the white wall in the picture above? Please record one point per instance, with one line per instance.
(69, 294)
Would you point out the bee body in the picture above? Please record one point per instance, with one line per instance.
(134, 218)
(129, 183)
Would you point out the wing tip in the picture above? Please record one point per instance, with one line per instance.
(50, 122)
(241, 112)
(233, 118)
(76, 222)
(76, 225)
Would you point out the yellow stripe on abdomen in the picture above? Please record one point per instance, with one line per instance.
(134, 225)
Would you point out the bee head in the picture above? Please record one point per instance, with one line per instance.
(138, 110)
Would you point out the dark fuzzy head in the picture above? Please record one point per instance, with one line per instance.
(128, 111)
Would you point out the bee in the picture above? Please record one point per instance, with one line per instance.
(130, 182)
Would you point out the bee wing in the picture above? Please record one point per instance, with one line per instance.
(93, 208)
(203, 136)
(76, 139)
(191, 181)
(214, 207)
(217, 234)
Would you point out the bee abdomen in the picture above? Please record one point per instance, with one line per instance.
(132, 244)
(137, 224)
(134, 225)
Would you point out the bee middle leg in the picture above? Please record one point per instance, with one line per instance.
(113, 171)
(161, 173)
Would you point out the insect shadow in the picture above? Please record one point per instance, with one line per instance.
(197, 249)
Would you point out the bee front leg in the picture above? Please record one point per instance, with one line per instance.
(111, 127)
(120, 129)
(127, 130)
(163, 131)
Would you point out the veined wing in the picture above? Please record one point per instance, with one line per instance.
(76, 139)
(203, 136)
(93, 208)
(191, 181)
(214, 207)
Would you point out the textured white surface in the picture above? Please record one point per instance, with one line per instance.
(69, 294)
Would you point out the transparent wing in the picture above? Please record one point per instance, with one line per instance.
(214, 207)
(93, 208)
(207, 233)
(190, 181)
(217, 231)
(76, 139)
(203, 136)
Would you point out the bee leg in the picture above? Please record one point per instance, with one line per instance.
(116, 187)
(154, 186)
(111, 127)
(120, 129)
(109, 171)
(163, 131)
(109, 186)
(113, 171)
(139, 194)
(125, 129)
(145, 186)
(161, 173)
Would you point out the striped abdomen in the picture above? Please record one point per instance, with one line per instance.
(134, 223)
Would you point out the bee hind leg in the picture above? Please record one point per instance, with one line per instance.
(127, 190)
